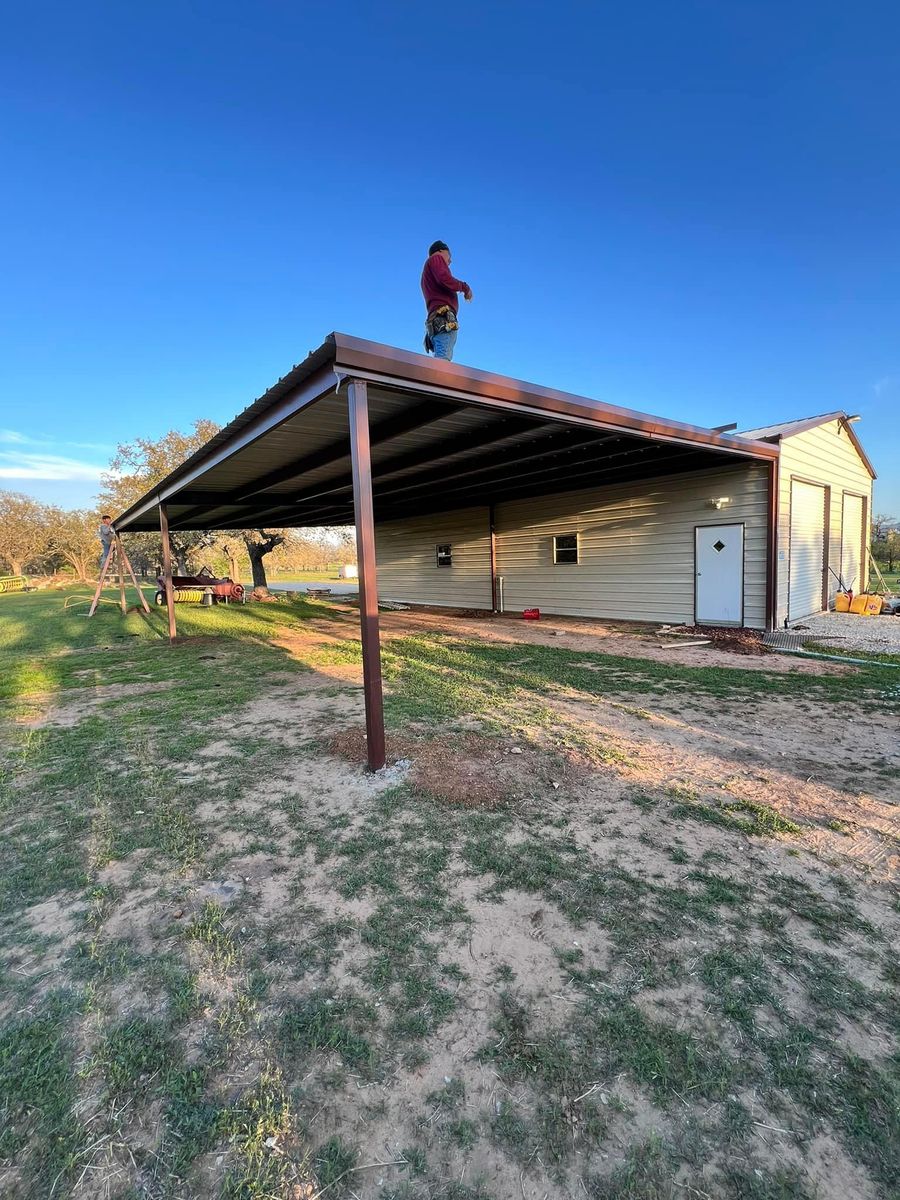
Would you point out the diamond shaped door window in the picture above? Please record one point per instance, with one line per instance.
(719, 545)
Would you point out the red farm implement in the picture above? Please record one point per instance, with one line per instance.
(202, 588)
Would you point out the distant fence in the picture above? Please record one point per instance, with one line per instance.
(12, 583)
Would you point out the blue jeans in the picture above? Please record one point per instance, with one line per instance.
(105, 553)
(444, 343)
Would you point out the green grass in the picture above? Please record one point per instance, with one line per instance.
(39, 1126)
(327, 574)
(45, 646)
(241, 1037)
(436, 678)
(891, 578)
(874, 656)
(133, 1056)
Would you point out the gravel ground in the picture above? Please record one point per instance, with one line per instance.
(847, 631)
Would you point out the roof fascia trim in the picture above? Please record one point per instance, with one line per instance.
(826, 419)
(845, 424)
(365, 360)
(315, 387)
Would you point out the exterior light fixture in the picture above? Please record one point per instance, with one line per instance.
(718, 502)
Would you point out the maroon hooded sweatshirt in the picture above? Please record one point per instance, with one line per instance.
(439, 287)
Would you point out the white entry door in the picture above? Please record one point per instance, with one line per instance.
(719, 570)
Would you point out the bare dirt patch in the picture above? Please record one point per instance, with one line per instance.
(467, 768)
(68, 708)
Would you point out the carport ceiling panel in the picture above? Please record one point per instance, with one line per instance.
(453, 438)
(298, 436)
(497, 447)
(440, 422)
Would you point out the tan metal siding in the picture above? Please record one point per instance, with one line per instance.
(827, 456)
(407, 570)
(636, 546)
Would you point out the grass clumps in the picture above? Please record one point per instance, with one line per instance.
(740, 816)
(38, 1092)
(133, 1056)
(603, 1038)
(323, 1023)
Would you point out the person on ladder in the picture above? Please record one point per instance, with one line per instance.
(107, 535)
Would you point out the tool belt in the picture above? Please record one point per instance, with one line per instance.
(442, 320)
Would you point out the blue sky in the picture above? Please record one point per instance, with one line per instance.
(688, 208)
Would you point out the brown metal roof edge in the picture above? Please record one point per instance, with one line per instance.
(787, 429)
(859, 450)
(356, 354)
(236, 430)
(781, 429)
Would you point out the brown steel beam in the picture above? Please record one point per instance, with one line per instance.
(403, 370)
(167, 569)
(490, 434)
(361, 457)
(405, 422)
(772, 546)
(441, 476)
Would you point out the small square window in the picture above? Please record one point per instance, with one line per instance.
(444, 555)
(565, 548)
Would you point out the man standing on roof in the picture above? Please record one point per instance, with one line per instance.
(439, 288)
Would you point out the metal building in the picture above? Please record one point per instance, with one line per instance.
(476, 490)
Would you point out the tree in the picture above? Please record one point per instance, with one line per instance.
(233, 547)
(885, 540)
(881, 523)
(136, 467)
(24, 530)
(72, 535)
(259, 543)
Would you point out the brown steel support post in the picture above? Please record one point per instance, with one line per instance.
(167, 570)
(361, 458)
(492, 531)
(772, 546)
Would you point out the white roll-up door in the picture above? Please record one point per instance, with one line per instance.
(852, 543)
(807, 565)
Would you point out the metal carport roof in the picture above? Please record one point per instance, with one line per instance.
(362, 432)
(443, 436)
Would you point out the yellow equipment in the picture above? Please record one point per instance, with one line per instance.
(842, 602)
(865, 604)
